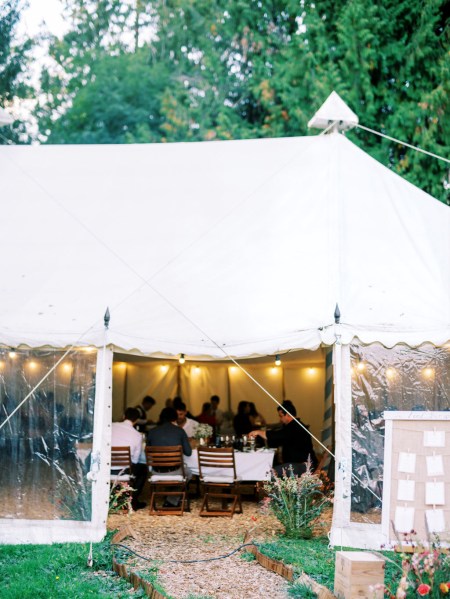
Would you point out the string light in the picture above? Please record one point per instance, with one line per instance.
(428, 373)
(277, 360)
(390, 373)
(181, 359)
(12, 354)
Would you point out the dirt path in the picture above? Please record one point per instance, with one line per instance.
(190, 537)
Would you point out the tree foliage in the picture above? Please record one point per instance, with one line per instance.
(173, 70)
(14, 57)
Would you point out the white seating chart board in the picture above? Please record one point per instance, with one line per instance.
(416, 489)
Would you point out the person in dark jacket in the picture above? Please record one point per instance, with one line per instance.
(295, 442)
(167, 434)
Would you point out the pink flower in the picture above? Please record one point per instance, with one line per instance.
(423, 589)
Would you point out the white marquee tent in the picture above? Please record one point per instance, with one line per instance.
(214, 249)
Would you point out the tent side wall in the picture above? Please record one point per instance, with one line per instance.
(91, 462)
(343, 532)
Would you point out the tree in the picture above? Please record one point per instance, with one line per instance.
(256, 68)
(14, 58)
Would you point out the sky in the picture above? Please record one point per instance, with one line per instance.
(38, 11)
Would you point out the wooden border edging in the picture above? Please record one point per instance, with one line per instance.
(287, 572)
(136, 580)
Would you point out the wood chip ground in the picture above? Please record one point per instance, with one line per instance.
(190, 537)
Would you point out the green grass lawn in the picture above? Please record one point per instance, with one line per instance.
(313, 557)
(59, 571)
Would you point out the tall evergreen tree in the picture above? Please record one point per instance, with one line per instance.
(14, 56)
(256, 68)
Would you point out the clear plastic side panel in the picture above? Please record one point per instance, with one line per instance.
(400, 378)
(46, 444)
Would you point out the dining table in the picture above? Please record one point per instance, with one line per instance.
(250, 465)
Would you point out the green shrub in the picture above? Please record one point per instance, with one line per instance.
(297, 501)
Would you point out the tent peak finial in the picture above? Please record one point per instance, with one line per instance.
(107, 318)
(334, 110)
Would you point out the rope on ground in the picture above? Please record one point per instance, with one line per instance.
(191, 561)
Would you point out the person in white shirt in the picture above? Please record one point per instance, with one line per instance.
(187, 424)
(123, 434)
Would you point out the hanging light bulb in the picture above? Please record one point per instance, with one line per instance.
(12, 354)
(428, 373)
(181, 359)
(277, 360)
(391, 373)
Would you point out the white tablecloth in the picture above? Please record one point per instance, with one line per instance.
(255, 465)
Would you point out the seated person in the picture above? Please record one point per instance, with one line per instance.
(295, 442)
(189, 425)
(207, 416)
(177, 403)
(123, 434)
(241, 422)
(255, 418)
(167, 434)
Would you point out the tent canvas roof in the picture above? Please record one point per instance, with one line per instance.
(237, 247)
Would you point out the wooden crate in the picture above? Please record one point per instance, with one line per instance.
(355, 572)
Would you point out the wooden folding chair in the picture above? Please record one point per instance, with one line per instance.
(167, 471)
(120, 465)
(217, 472)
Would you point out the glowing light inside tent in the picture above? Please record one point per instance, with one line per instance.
(428, 373)
(277, 360)
(32, 365)
(182, 359)
(311, 371)
(391, 373)
(361, 366)
(66, 366)
(12, 354)
(88, 349)
(164, 368)
(232, 368)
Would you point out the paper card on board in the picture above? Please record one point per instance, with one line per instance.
(435, 520)
(404, 519)
(406, 490)
(434, 493)
(435, 465)
(434, 438)
(407, 462)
